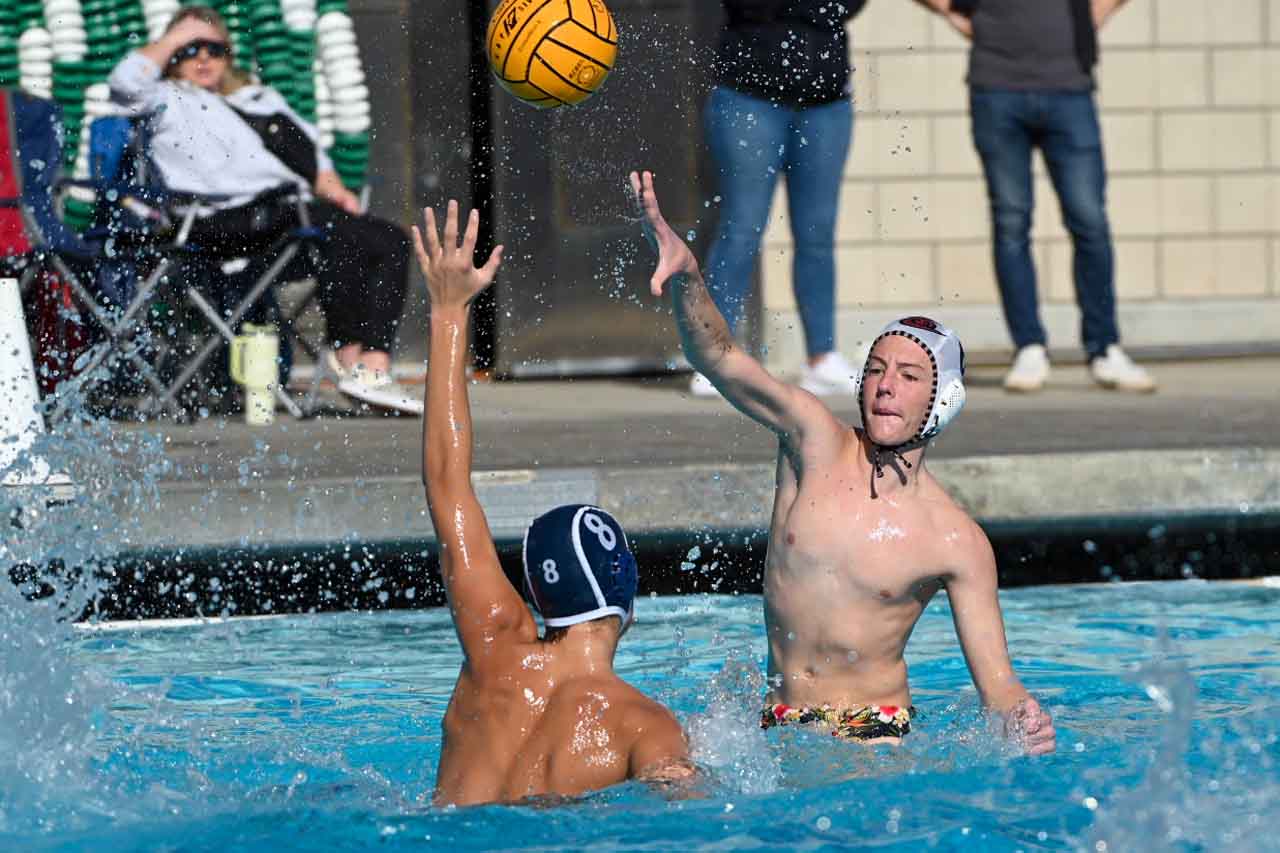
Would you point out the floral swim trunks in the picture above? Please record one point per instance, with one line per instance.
(865, 723)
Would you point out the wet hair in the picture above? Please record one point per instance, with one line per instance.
(235, 77)
(555, 635)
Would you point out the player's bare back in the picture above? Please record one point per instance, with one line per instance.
(532, 731)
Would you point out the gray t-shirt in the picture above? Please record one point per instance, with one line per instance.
(1025, 44)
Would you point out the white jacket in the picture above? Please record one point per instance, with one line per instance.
(199, 144)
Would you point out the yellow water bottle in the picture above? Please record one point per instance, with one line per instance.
(255, 356)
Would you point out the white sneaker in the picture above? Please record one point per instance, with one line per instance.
(375, 387)
(1117, 371)
(700, 386)
(1030, 369)
(833, 374)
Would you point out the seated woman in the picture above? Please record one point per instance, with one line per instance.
(203, 143)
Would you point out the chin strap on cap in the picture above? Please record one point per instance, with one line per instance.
(946, 355)
(877, 463)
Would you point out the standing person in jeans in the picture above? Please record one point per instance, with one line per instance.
(1031, 85)
(782, 105)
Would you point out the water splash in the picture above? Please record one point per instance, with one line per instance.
(56, 558)
(1173, 806)
(727, 738)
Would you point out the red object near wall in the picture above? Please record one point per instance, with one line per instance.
(13, 231)
(58, 332)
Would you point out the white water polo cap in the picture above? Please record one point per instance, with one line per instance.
(947, 356)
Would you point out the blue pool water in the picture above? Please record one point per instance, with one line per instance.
(322, 733)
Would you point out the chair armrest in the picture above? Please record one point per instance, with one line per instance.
(76, 183)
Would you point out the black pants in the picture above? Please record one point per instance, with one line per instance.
(363, 268)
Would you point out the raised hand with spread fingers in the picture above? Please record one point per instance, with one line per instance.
(453, 279)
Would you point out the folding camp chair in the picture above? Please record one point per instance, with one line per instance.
(138, 215)
(35, 244)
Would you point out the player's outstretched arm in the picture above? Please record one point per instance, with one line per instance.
(482, 600)
(975, 607)
(786, 409)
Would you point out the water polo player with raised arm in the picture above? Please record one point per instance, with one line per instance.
(862, 536)
(529, 715)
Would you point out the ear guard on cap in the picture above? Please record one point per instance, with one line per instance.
(950, 401)
(947, 357)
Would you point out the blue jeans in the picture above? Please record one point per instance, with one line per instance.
(752, 141)
(1006, 126)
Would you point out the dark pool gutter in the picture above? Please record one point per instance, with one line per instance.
(162, 583)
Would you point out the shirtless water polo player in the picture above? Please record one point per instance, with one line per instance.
(855, 555)
(528, 716)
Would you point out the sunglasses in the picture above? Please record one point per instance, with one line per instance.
(190, 50)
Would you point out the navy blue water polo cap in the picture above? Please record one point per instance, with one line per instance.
(578, 566)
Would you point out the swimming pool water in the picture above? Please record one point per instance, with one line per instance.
(322, 733)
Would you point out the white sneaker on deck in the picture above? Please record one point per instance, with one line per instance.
(833, 374)
(375, 387)
(700, 386)
(1030, 369)
(1117, 371)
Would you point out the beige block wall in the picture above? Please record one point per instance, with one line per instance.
(1189, 94)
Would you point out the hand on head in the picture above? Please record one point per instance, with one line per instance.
(453, 279)
(193, 29)
(1031, 726)
(674, 256)
(188, 51)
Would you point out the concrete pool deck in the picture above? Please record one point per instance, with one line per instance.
(1208, 442)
